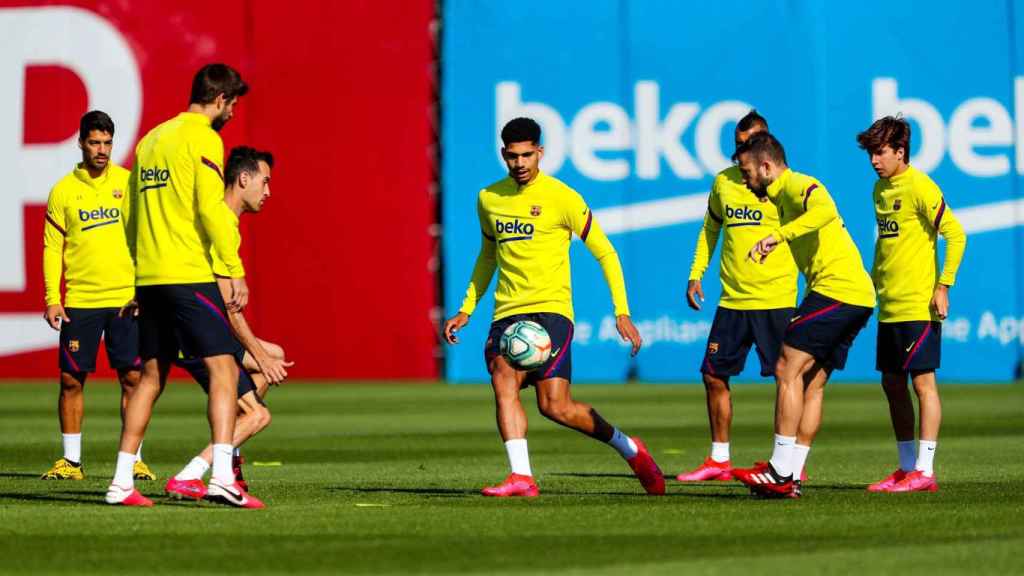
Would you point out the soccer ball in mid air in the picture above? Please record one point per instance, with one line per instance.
(525, 345)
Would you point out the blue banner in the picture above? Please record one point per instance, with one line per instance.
(638, 101)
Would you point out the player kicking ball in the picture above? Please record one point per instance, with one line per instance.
(527, 221)
(837, 303)
(260, 363)
(913, 298)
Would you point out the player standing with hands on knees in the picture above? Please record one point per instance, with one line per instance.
(527, 221)
(913, 298)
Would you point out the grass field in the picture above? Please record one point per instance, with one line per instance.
(384, 479)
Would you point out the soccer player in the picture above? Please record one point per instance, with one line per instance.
(838, 301)
(83, 238)
(527, 221)
(260, 363)
(177, 213)
(913, 298)
(756, 303)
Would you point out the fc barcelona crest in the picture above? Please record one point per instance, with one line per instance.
(535, 210)
(118, 194)
(73, 345)
(896, 205)
(712, 347)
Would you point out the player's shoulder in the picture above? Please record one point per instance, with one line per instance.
(729, 179)
(61, 187)
(921, 181)
(804, 182)
(559, 192)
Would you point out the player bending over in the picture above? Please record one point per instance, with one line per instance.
(83, 237)
(838, 301)
(913, 299)
(260, 363)
(527, 221)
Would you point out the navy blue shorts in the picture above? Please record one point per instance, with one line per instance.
(734, 331)
(80, 339)
(908, 346)
(197, 368)
(186, 317)
(825, 328)
(559, 328)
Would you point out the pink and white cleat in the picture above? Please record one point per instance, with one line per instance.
(886, 484)
(646, 469)
(916, 481)
(126, 497)
(709, 470)
(192, 489)
(231, 494)
(514, 485)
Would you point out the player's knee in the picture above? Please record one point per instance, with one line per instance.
(715, 384)
(556, 410)
(263, 417)
(71, 383)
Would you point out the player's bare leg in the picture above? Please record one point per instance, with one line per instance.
(922, 478)
(253, 418)
(129, 379)
(810, 419)
(718, 465)
(555, 401)
(70, 411)
(136, 418)
(901, 413)
(511, 418)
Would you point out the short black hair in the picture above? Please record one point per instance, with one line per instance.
(215, 79)
(764, 145)
(521, 130)
(750, 120)
(95, 120)
(245, 159)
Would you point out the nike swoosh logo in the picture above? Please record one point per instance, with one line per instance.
(556, 351)
(909, 347)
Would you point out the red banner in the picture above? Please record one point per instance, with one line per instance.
(341, 260)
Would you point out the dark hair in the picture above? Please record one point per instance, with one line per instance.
(750, 120)
(891, 130)
(764, 145)
(215, 79)
(245, 159)
(95, 120)
(521, 130)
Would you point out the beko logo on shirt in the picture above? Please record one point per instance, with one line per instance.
(744, 215)
(518, 230)
(99, 214)
(888, 228)
(153, 178)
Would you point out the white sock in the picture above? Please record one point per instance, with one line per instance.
(908, 454)
(623, 444)
(237, 453)
(800, 453)
(720, 452)
(72, 447)
(926, 457)
(138, 453)
(123, 474)
(518, 456)
(194, 470)
(222, 471)
(782, 455)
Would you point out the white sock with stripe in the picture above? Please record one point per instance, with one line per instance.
(720, 452)
(908, 454)
(623, 444)
(72, 447)
(926, 457)
(782, 455)
(518, 456)
(800, 453)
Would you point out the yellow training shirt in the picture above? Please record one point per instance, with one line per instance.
(910, 211)
(177, 204)
(744, 219)
(526, 234)
(219, 268)
(822, 247)
(84, 235)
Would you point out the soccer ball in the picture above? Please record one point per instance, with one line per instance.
(525, 345)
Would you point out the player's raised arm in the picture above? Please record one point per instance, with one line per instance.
(584, 225)
(932, 205)
(483, 270)
(54, 230)
(707, 238)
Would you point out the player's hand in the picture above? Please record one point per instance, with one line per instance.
(763, 248)
(54, 315)
(693, 292)
(131, 309)
(274, 369)
(940, 301)
(629, 333)
(239, 295)
(453, 325)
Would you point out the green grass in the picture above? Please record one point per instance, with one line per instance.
(384, 479)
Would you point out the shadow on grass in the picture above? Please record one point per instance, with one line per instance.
(91, 497)
(455, 493)
(18, 475)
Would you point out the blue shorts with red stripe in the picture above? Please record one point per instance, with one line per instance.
(732, 334)
(914, 346)
(186, 317)
(80, 339)
(560, 330)
(825, 328)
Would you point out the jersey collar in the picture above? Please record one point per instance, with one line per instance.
(83, 175)
(196, 117)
